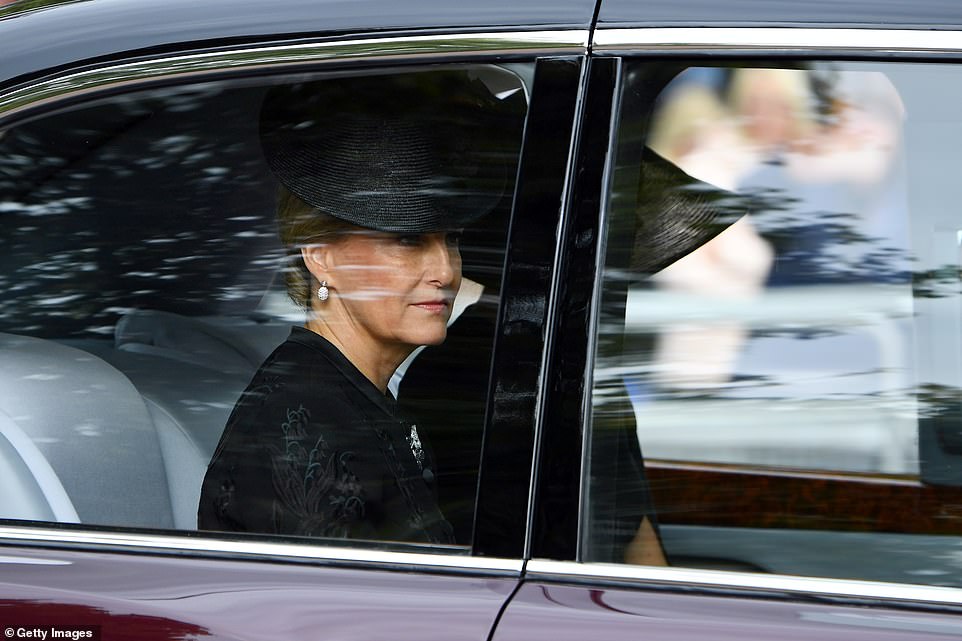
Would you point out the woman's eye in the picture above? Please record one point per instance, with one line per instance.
(410, 240)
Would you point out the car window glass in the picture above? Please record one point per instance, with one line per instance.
(778, 331)
(145, 282)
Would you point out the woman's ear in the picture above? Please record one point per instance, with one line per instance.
(317, 259)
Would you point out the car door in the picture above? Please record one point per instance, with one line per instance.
(761, 258)
(143, 283)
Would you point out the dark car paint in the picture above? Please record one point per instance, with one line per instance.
(91, 30)
(151, 598)
(558, 612)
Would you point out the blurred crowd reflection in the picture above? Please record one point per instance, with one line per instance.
(817, 154)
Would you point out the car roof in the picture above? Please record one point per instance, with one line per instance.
(937, 14)
(39, 35)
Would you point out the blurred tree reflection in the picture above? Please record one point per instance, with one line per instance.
(158, 201)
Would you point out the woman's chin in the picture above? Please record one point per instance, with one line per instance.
(435, 338)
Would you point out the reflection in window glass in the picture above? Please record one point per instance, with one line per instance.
(811, 285)
(781, 334)
(144, 284)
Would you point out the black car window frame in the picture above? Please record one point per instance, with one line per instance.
(553, 49)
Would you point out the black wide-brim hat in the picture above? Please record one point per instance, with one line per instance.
(677, 213)
(411, 152)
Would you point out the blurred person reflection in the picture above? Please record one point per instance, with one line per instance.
(832, 186)
(695, 131)
(826, 192)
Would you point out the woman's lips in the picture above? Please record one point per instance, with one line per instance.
(433, 306)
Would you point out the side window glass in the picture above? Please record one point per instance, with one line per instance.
(779, 331)
(258, 307)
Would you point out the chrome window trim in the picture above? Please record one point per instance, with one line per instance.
(689, 578)
(780, 39)
(574, 41)
(178, 544)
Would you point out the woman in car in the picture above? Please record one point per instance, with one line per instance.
(378, 176)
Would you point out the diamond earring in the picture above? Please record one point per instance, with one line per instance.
(323, 293)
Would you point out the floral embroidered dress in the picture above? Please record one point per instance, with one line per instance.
(313, 448)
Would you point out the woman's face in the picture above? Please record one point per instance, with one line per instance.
(392, 290)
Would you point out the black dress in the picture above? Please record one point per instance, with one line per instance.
(313, 448)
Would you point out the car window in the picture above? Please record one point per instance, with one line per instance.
(775, 384)
(146, 281)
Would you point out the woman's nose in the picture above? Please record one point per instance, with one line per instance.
(444, 260)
